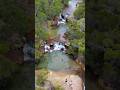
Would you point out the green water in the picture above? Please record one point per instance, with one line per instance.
(57, 61)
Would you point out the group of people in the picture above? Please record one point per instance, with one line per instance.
(56, 46)
(68, 82)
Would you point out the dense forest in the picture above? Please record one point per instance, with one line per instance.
(103, 44)
(15, 26)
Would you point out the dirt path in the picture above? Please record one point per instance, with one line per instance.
(67, 81)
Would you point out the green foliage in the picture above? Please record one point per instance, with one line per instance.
(38, 88)
(42, 76)
(76, 35)
(42, 16)
(80, 11)
(55, 7)
(42, 34)
(81, 22)
(58, 87)
(45, 9)
(81, 45)
(38, 55)
(65, 2)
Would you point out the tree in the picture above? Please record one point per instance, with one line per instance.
(80, 12)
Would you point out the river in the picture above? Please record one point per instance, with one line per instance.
(69, 12)
(61, 68)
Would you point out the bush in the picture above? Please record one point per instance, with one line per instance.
(80, 11)
(58, 87)
(42, 76)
